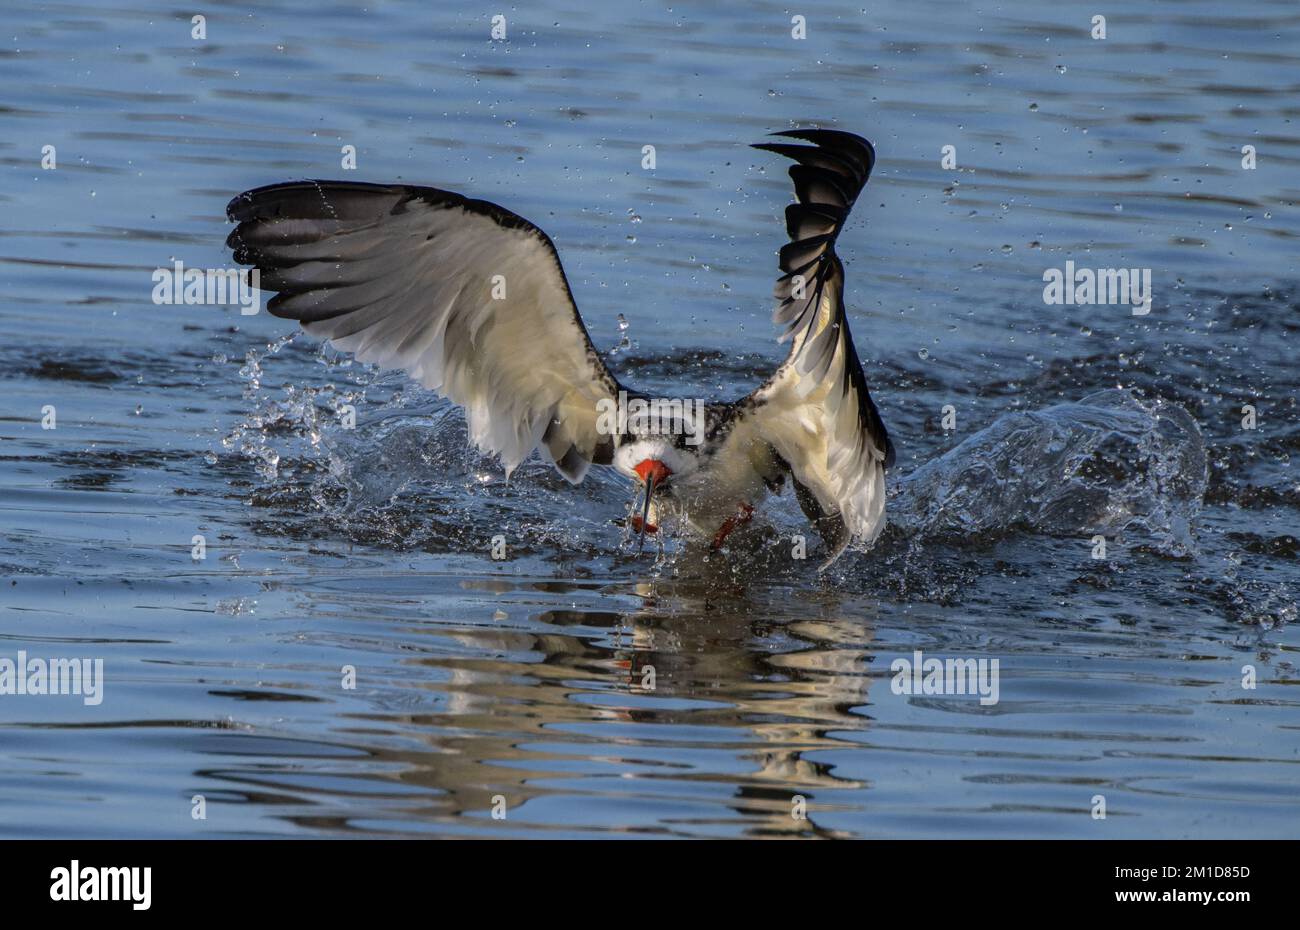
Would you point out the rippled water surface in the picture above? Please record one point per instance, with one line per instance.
(589, 692)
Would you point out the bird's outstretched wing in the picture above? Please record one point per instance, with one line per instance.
(467, 297)
(816, 411)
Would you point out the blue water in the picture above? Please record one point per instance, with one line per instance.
(523, 683)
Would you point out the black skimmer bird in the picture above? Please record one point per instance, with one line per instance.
(471, 300)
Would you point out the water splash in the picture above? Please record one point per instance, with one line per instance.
(1110, 463)
(374, 460)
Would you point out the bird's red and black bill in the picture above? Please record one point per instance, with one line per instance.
(652, 472)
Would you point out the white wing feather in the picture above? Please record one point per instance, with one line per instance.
(816, 410)
(468, 298)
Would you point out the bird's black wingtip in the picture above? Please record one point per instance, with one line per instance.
(244, 206)
(832, 139)
(305, 197)
(236, 202)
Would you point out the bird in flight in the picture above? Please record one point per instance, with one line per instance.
(472, 302)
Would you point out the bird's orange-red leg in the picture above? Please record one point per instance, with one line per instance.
(742, 516)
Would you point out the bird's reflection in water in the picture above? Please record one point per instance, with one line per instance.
(704, 712)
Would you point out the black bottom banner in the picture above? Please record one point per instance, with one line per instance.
(332, 878)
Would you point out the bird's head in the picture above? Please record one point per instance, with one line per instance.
(655, 464)
(654, 458)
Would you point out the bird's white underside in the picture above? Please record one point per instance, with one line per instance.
(815, 428)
